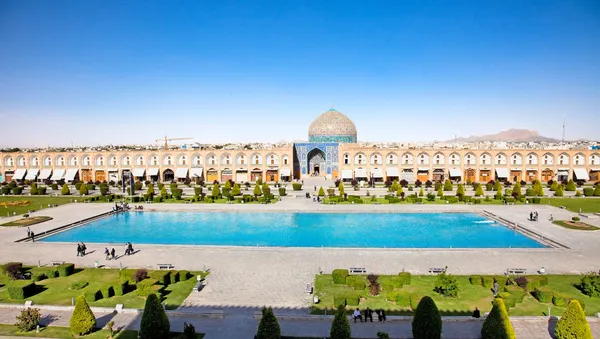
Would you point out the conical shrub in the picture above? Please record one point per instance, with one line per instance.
(573, 324)
(155, 323)
(83, 320)
(497, 325)
(427, 322)
(268, 328)
(340, 328)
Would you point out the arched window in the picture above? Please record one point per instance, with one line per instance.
(454, 159)
(60, 161)
(359, 159)
(127, 160)
(197, 160)
(563, 159)
(154, 160)
(100, 160)
(73, 161)
(87, 161)
(140, 160)
(346, 159)
(241, 159)
(10, 162)
(285, 160)
(375, 159)
(212, 159)
(256, 159)
(392, 159)
(47, 161)
(227, 159)
(168, 160)
(35, 162)
(114, 161)
(183, 160)
(407, 159)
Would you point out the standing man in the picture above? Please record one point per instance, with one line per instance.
(32, 236)
(28, 232)
(112, 253)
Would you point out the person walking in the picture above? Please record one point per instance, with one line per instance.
(32, 236)
(28, 232)
(107, 253)
(112, 253)
(78, 249)
(83, 248)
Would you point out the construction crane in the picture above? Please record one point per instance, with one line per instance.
(166, 140)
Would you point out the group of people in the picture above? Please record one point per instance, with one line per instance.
(121, 206)
(30, 234)
(129, 248)
(112, 254)
(533, 216)
(140, 207)
(81, 248)
(368, 315)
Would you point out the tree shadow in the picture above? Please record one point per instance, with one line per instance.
(552, 325)
(105, 319)
(48, 319)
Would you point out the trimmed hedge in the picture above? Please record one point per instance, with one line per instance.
(405, 278)
(92, 295)
(352, 299)
(127, 274)
(387, 287)
(107, 291)
(402, 299)
(78, 285)
(427, 323)
(415, 299)
(560, 300)
(573, 324)
(339, 276)
(339, 300)
(475, 280)
(501, 279)
(65, 270)
(487, 281)
(120, 287)
(543, 294)
(509, 300)
(359, 285)
(517, 292)
(163, 277)
(82, 320)
(497, 324)
(21, 289)
(174, 277)
(184, 275)
(144, 287)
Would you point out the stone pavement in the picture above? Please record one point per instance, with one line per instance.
(240, 323)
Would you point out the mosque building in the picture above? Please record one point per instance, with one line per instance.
(332, 151)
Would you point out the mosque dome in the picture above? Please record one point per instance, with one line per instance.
(332, 126)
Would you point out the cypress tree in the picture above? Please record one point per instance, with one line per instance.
(571, 186)
(394, 186)
(597, 191)
(150, 190)
(163, 192)
(155, 323)
(65, 190)
(499, 194)
(340, 328)
(228, 184)
(448, 185)
(321, 192)
(559, 191)
(33, 190)
(83, 189)
(573, 324)
(427, 322)
(497, 325)
(538, 189)
(341, 188)
(517, 189)
(460, 190)
(554, 186)
(497, 186)
(440, 192)
(266, 189)
(399, 191)
(236, 190)
(268, 328)
(479, 191)
(257, 191)
(421, 192)
(82, 320)
(216, 190)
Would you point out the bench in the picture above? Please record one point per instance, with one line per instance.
(56, 262)
(357, 270)
(199, 285)
(516, 271)
(165, 266)
(309, 288)
(436, 270)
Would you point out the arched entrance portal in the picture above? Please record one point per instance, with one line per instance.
(168, 175)
(316, 163)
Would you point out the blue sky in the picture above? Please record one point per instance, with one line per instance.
(100, 72)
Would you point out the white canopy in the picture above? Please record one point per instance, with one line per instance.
(58, 174)
(285, 172)
(71, 173)
(138, 172)
(392, 172)
(181, 173)
(562, 172)
(113, 170)
(502, 172)
(346, 174)
(423, 169)
(19, 174)
(455, 172)
(581, 174)
(45, 174)
(360, 173)
(153, 171)
(196, 172)
(32, 173)
(377, 173)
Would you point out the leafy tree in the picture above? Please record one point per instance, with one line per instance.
(155, 323)
(83, 320)
(321, 192)
(559, 191)
(538, 189)
(228, 184)
(427, 322)
(498, 195)
(421, 192)
(257, 191)
(479, 191)
(446, 285)
(489, 187)
(460, 191)
(83, 189)
(497, 186)
(554, 186)
(573, 324)
(28, 319)
(236, 190)
(497, 324)
(216, 190)
(268, 328)
(150, 190)
(163, 192)
(341, 188)
(448, 185)
(517, 189)
(340, 328)
(266, 189)
(571, 186)
(394, 186)
(440, 192)
(33, 190)
(65, 190)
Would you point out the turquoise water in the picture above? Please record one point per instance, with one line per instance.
(391, 230)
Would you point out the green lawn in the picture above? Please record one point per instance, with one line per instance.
(587, 204)
(584, 226)
(65, 332)
(470, 296)
(36, 202)
(56, 291)
(27, 221)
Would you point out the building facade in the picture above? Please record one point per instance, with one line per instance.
(332, 152)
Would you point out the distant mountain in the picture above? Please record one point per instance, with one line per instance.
(512, 135)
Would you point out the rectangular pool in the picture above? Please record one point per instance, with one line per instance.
(369, 230)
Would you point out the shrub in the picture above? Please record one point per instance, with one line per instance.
(140, 275)
(83, 320)
(340, 328)
(92, 295)
(479, 191)
(509, 300)
(475, 280)
(588, 192)
(65, 190)
(447, 285)
(28, 319)
(402, 299)
(427, 322)
(447, 185)
(559, 191)
(282, 192)
(12, 269)
(144, 287)
(517, 292)
(405, 278)
(575, 219)
(571, 186)
(78, 285)
(359, 285)
(339, 276)
(597, 190)
(154, 323)
(590, 284)
(184, 275)
(296, 186)
(21, 289)
(120, 287)
(163, 277)
(573, 324)
(559, 300)
(415, 299)
(189, 331)
(42, 190)
(497, 324)
(268, 328)
(383, 335)
(33, 190)
(352, 299)
(387, 287)
(17, 190)
(501, 279)
(107, 291)
(339, 300)
(65, 270)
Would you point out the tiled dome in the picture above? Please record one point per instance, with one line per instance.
(332, 126)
